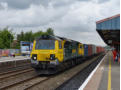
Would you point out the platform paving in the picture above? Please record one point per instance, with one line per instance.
(107, 76)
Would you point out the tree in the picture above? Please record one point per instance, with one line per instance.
(6, 37)
(50, 31)
(20, 37)
(37, 34)
(28, 36)
(1, 43)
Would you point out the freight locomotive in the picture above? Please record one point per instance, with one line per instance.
(51, 54)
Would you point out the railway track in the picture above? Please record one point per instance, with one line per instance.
(16, 77)
(28, 83)
(29, 80)
(4, 70)
(12, 77)
(16, 69)
(24, 84)
(14, 73)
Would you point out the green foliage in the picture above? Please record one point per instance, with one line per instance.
(1, 43)
(30, 36)
(6, 37)
(37, 34)
(50, 31)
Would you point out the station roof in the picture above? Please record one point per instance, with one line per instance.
(111, 23)
(109, 30)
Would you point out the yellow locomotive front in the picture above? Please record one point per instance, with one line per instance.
(47, 52)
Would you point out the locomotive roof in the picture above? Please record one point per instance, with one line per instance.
(69, 40)
(63, 38)
(50, 37)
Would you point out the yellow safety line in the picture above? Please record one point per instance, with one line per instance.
(109, 75)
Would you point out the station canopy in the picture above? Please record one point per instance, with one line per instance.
(109, 30)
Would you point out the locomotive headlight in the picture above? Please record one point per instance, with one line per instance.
(52, 56)
(35, 58)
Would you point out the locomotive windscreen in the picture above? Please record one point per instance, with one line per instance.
(45, 44)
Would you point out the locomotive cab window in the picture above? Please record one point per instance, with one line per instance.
(60, 45)
(45, 44)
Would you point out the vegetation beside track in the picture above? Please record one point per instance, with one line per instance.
(9, 40)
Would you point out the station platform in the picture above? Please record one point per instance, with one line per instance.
(17, 58)
(106, 75)
(13, 63)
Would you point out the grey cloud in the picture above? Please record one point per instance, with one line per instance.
(73, 19)
(103, 1)
(23, 4)
(3, 5)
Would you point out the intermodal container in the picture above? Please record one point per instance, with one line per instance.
(85, 50)
(98, 49)
(89, 50)
(93, 49)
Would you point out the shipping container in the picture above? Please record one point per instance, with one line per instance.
(99, 49)
(93, 49)
(89, 50)
(85, 50)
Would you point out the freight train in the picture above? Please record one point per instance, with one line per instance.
(51, 54)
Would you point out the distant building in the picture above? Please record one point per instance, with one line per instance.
(25, 47)
(14, 43)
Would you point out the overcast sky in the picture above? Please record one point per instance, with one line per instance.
(74, 19)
